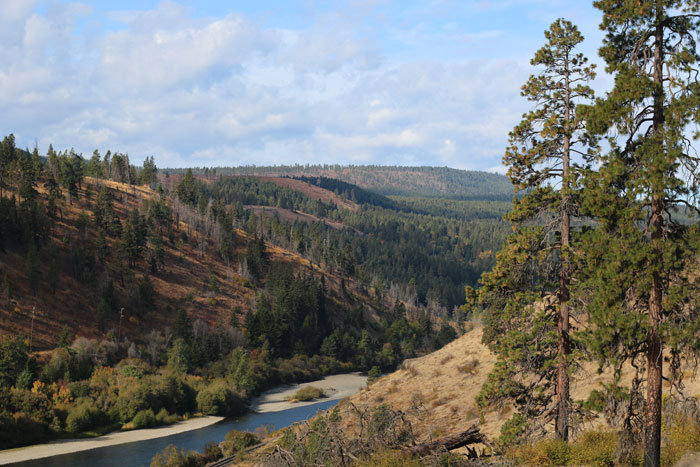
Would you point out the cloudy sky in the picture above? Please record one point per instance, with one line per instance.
(213, 82)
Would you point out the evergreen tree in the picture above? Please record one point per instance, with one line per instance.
(527, 293)
(182, 327)
(639, 254)
(149, 172)
(7, 156)
(94, 166)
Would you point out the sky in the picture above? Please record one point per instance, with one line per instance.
(228, 82)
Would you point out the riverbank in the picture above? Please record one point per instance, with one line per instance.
(67, 446)
(335, 387)
(276, 400)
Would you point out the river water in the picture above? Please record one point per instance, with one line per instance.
(141, 452)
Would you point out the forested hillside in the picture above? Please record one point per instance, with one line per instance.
(131, 297)
(440, 182)
(419, 250)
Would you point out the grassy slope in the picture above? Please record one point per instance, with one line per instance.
(446, 382)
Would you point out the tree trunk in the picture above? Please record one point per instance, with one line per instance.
(562, 420)
(652, 416)
(471, 436)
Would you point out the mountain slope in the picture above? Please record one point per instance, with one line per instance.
(441, 182)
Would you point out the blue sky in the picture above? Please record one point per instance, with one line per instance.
(276, 82)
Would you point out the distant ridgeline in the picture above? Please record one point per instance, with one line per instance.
(429, 246)
(439, 182)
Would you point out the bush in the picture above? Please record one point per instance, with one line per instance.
(164, 418)
(389, 459)
(144, 419)
(592, 448)
(237, 441)
(219, 399)
(79, 389)
(512, 432)
(595, 448)
(33, 404)
(373, 374)
(172, 457)
(212, 452)
(133, 398)
(307, 393)
(176, 395)
(683, 435)
(84, 417)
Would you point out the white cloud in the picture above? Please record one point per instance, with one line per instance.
(226, 91)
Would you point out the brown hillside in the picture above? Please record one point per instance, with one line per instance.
(287, 215)
(184, 283)
(444, 385)
(312, 191)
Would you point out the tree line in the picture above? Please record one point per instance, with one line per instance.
(606, 233)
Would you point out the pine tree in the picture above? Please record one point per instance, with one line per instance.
(639, 254)
(527, 293)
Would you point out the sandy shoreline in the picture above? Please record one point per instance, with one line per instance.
(68, 446)
(335, 387)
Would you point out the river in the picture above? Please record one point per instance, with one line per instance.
(141, 452)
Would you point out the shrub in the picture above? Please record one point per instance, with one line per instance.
(35, 405)
(373, 374)
(172, 457)
(58, 367)
(389, 459)
(219, 399)
(595, 448)
(144, 419)
(135, 397)
(592, 448)
(470, 367)
(164, 418)
(307, 393)
(512, 431)
(683, 435)
(84, 417)
(237, 441)
(79, 389)
(212, 452)
(176, 395)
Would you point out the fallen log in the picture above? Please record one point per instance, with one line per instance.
(471, 436)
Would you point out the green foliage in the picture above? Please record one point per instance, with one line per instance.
(595, 448)
(373, 374)
(681, 435)
(526, 295)
(14, 353)
(592, 448)
(307, 393)
(179, 356)
(236, 442)
(144, 419)
(85, 417)
(637, 257)
(217, 398)
(387, 458)
(512, 431)
(172, 457)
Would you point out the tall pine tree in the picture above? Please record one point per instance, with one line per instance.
(527, 293)
(639, 252)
